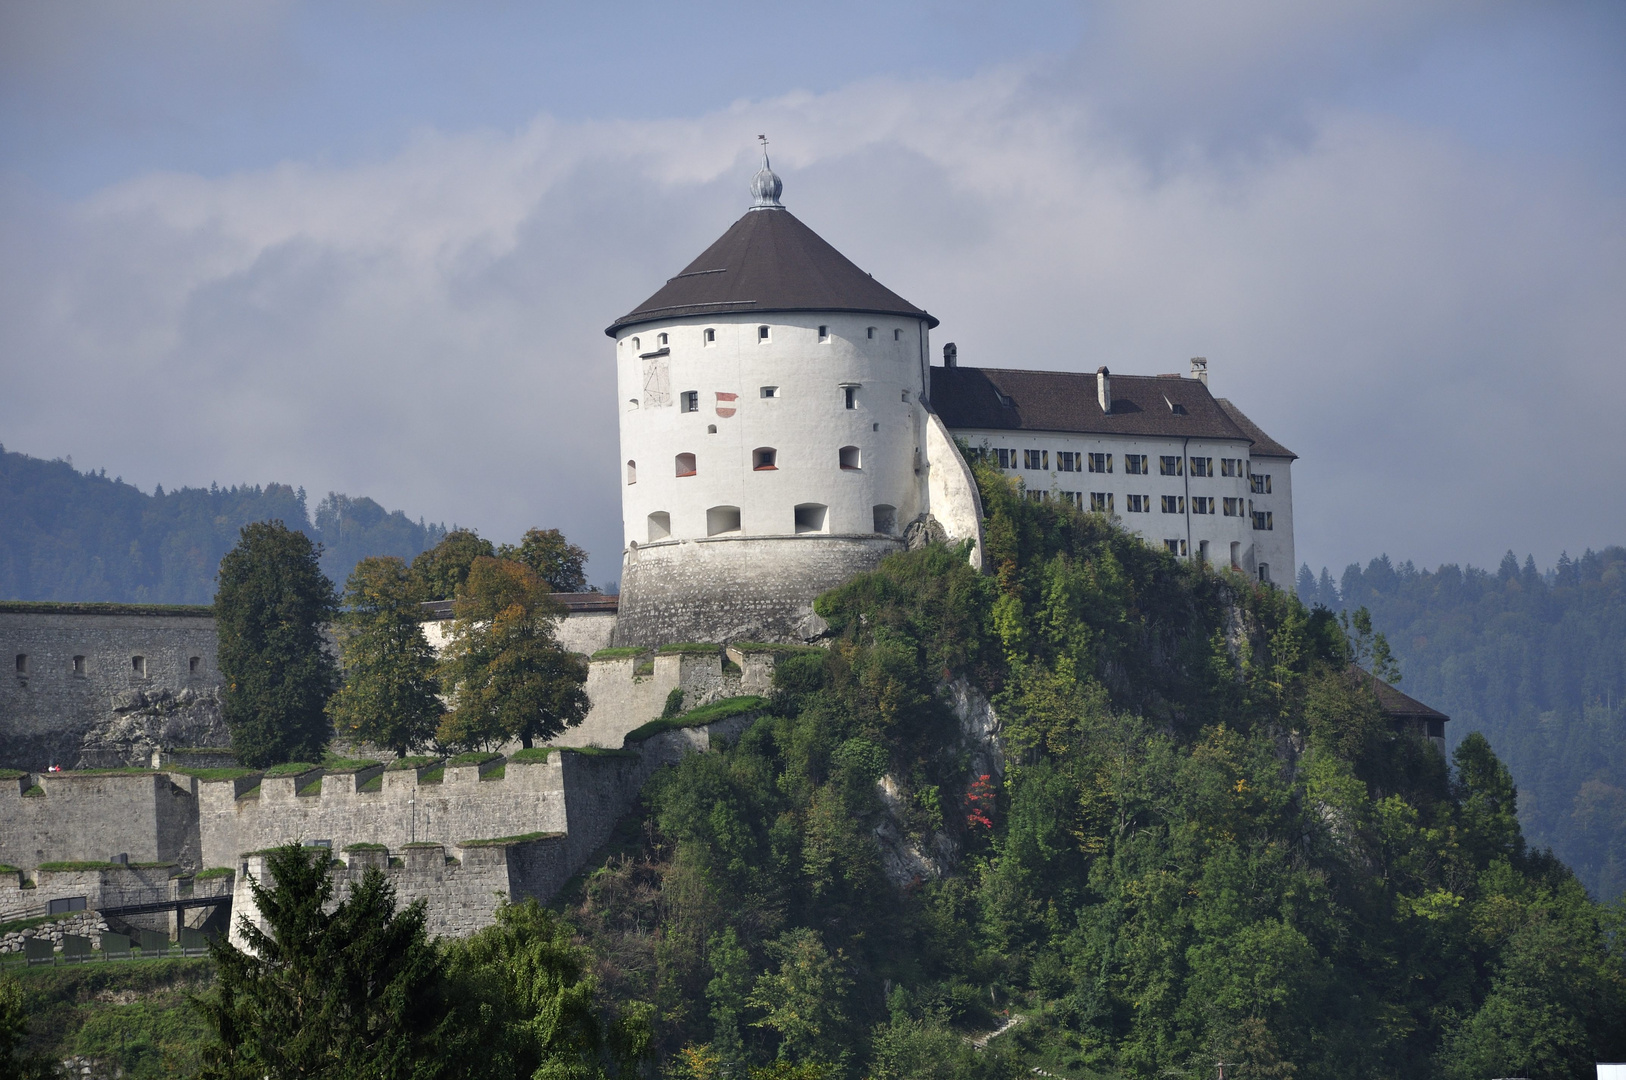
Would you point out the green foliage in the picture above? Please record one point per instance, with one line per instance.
(689, 648)
(72, 536)
(506, 675)
(356, 992)
(533, 754)
(223, 773)
(130, 1019)
(619, 653)
(674, 704)
(1533, 661)
(442, 570)
(473, 757)
(270, 611)
(499, 841)
(390, 696)
(1199, 839)
(291, 768)
(527, 1001)
(551, 557)
(401, 764)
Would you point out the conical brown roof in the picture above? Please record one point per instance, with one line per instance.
(769, 261)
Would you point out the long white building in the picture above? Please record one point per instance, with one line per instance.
(782, 428)
(1183, 469)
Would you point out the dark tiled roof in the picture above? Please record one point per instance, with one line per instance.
(1394, 703)
(1155, 405)
(769, 261)
(1263, 445)
(579, 603)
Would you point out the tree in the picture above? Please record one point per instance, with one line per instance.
(441, 570)
(390, 696)
(358, 992)
(270, 610)
(528, 1000)
(556, 560)
(805, 1000)
(506, 675)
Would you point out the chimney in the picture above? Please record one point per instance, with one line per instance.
(1199, 369)
(951, 355)
(1103, 390)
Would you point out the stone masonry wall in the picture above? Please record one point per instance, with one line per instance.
(623, 700)
(48, 707)
(91, 816)
(746, 589)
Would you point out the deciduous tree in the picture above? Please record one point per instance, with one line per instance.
(556, 560)
(390, 695)
(270, 611)
(507, 677)
(442, 569)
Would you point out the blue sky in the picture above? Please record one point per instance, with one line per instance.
(370, 247)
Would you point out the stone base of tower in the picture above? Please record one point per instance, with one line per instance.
(737, 589)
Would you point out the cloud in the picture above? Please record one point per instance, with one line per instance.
(1433, 329)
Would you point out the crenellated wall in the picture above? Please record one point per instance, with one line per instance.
(623, 700)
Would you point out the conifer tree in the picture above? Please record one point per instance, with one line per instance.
(270, 609)
(506, 676)
(356, 992)
(390, 694)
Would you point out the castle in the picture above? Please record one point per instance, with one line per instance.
(782, 428)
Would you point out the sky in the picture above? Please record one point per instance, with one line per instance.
(371, 247)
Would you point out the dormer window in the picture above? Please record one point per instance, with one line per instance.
(1005, 400)
(762, 334)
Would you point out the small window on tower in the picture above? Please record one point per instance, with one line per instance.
(22, 663)
(886, 519)
(660, 339)
(689, 401)
(635, 345)
(869, 332)
(764, 458)
(762, 333)
(685, 464)
(632, 403)
(710, 336)
(632, 472)
(195, 664)
(770, 391)
(906, 397)
(660, 526)
(138, 666)
(851, 458)
(897, 335)
(824, 335)
(722, 519)
(810, 518)
(850, 396)
(79, 665)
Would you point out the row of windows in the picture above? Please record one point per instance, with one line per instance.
(708, 336)
(1134, 464)
(763, 459)
(689, 400)
(806, 518)
(1101, 502)
(138, 665)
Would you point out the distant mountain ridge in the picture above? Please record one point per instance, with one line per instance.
(67, 535)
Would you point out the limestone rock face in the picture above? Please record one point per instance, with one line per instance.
(140, 722)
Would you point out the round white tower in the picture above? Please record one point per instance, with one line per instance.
(773, 433)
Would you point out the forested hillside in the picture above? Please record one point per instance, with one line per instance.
(1203, 842)
(1537, 662)
(67, 535)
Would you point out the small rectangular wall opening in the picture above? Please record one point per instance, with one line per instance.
(138, 666)
(722, 519)
(660, 525)
(810, 517)
(886, 519)
(22, 663)
(79, 665)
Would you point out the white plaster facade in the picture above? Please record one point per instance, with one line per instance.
(797, 423)
(1243, 520)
